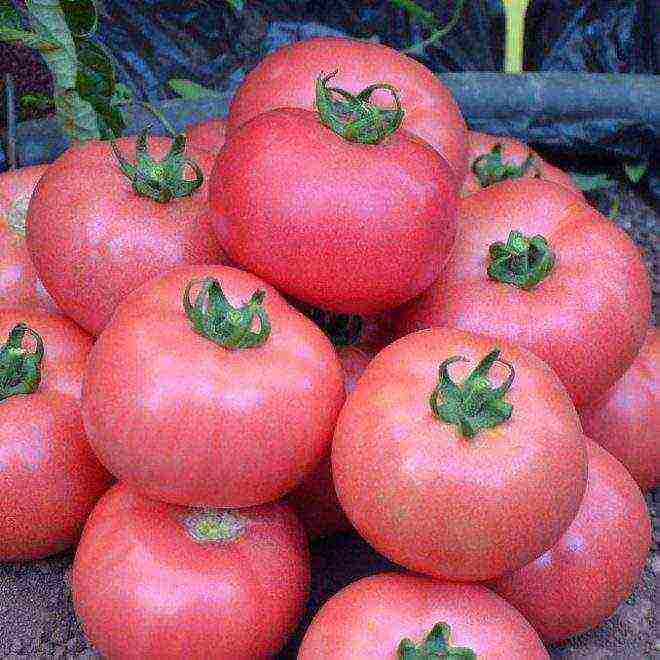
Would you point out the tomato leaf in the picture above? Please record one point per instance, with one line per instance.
(37, 100)
(635, 171)
(190, 90)
(590, 182)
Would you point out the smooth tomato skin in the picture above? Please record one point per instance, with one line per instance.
(626, 420)
(587, 319)
(187, 421)
(369, 618)
(107, 239)
(209, 135)
(323, 232)
(19, 283)
(438, 503)
(583, 578)
(49, 477)
(144, 588)
(514, 152)
(286, 78)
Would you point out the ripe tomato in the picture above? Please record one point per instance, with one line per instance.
(433, 475)
(626, 420)
(209, 135)
(582, 579)
(153, 580)
(286, 77)
(385, 616)
(588, 314)
(49, 476)
(324, 232)
(493, 158)
(108, 239)
(19, 283)
(186, 418)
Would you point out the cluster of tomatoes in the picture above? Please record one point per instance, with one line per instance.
(172, 396)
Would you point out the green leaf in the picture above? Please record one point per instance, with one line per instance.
(590, 182)
(80, 16)
(416, 12)
(635, 171)
(37, 100)
(236, 5)
(190, 90)
(29, 39)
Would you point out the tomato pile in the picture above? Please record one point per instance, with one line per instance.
(339, 309)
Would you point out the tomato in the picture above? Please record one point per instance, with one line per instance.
(49, 477)
(286, 77)
(108, 239)
(382, 617)
(324, 232)
(594, 566)
(154, 580)
(208, 135)
(436, 477)
(626, 420)
(314, 498)
(579, 297)
(199, 409)
(19, 283)
(494, 158)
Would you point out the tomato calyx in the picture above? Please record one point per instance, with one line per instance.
(489, 168)
(161, 180)
(436, 645)
(475, 404)
(215, 318)
(521, 261)
(215, 526)
(353, 117)
(20, 369)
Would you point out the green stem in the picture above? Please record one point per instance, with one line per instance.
(215, 526)
(20, 370)
(214, 317)
(353, 117)
(514, 11)
(436, 35)
(489, 168)
(435, 645)
(521, 261)
(475, 404)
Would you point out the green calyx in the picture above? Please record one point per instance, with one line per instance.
(161, 180)
(20, 370)
(490, 168)
(214, 526)
(521, 261)
(353, 117)
(214, 317)
(436, 645)
(475, 404)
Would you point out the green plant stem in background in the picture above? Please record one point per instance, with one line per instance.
(514, 11)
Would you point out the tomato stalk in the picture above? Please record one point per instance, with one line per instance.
(475, 404)
(215, 526)
(521, 261)
(214, 317)
(436, 645)
(20, 370)
(514, 12)
(353, 117)
(489, 168)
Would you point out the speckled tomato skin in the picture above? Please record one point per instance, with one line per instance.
(584, 577)
(187, 421)
(144, 588)
(626, 420)
(286, 78)
(19, 282)
(93, 240)
(208, 135)
(587, 319)
(317, 216)
(49, 477)
(369, 618)
(515, 152)
(441, 504)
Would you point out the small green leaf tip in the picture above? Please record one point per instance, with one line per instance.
(436, 645)
(214, 317)
(475, 404)
(353, 117)
(160, 180)
(489, 168)
(20, 370)
(521, 261)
